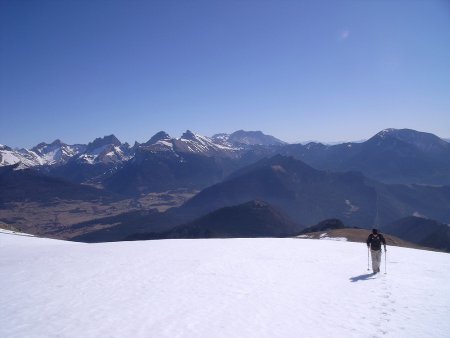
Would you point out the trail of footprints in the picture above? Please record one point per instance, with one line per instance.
(385, 307)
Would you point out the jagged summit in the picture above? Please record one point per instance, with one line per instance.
(392, 155)
(42, 146)
(188, 135)
(103, 141)
(56, 152)
(191, 142)
(106, 150)
(160, 136)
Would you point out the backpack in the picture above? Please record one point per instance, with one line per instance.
(375, 242)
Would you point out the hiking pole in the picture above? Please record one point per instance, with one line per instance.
(367, 258)
(385, 266)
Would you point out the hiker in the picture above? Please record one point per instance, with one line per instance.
(374, 243)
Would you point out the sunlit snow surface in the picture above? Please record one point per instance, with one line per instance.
(219, 288)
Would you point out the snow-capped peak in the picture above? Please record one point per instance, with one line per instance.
(107, 149)
(25, 158)
(189, 135)
(191, 142)
(101, 142)
(56, 152)
(386, 132)
(160, 136)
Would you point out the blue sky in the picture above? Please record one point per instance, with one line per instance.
(299, 70)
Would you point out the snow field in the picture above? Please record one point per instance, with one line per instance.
(219, 288)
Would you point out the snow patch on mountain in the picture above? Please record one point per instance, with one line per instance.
(339, 239)
(248, 138)
(195, 143)
(108, 153)
(102, 150)
(385, 132)
(352, 208)
(57, 152)
(26, 158)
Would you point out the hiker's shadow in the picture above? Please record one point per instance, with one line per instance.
(362, 277)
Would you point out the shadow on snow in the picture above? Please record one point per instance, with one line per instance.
(363, 277)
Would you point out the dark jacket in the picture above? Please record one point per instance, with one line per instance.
(375, 240)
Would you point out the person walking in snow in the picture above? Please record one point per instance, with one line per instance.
(374, 242)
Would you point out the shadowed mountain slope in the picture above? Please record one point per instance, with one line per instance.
(28, 185)
(251, 219)
(426, 232)
(308, 195)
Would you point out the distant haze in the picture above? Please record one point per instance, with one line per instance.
(297, 70)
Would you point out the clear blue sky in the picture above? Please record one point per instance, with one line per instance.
(299, 70)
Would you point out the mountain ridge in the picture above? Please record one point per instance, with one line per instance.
(391, 156)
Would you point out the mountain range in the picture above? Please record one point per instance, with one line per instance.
(300, 195)
(395, 174)
(109, 149)
(391, 156)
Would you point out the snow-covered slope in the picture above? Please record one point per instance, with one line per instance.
(106, 154)
(191, 142)
(218, 288)
(107, 149)
(57, 152)
(26, 158)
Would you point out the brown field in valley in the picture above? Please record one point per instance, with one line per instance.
(55, 219)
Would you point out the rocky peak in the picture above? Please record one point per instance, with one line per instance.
(188, 135)
(44, 148)
(57, 142)
(253, 138)
(102, 142)
(162, 135)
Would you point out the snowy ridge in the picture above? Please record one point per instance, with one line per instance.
(219, 288)
(105, 154)
(189, 142)
(26, 158)
(57, 152)
(196, 143)
(108, 150)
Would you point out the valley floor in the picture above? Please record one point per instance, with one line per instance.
(219, 288)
